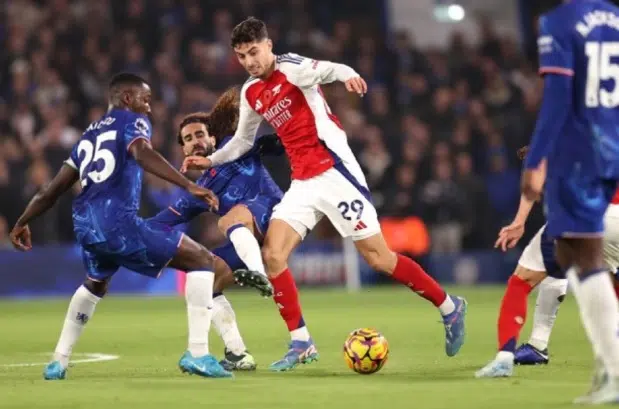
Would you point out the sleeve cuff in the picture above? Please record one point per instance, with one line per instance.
(70, 163)
(556, 70)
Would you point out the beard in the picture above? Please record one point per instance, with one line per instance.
(203, 151)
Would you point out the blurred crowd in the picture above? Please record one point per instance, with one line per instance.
(436, 135)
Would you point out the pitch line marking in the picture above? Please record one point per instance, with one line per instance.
(88, 357)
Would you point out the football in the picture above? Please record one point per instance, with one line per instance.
(366, 350)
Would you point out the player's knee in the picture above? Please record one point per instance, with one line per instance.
(98, 288)
(533, 278)
(274, 259)
(381, 261)
(201, 259)
(234, 218)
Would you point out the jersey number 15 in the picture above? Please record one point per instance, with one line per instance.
(93, 154)
(601, 68)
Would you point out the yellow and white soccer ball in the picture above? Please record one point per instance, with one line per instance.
(366, 350)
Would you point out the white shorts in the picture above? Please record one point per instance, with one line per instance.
(532, 258)
(611, 237)
(341, 198)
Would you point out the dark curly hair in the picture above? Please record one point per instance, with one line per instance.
(522, 152)
(221, 121)
(248, 31)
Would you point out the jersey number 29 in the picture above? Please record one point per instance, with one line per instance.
(93, 154)
(601, 68)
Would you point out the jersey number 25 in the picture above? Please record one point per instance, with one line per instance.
(93, 154)
(601, 68)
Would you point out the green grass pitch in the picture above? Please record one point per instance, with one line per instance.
(148, 334)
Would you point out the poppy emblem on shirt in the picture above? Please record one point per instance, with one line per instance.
(267, 96)
(213, 172)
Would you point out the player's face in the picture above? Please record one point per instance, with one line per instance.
(140, 99)
(196, 140)
(256, 57)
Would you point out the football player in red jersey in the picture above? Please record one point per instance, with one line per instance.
(327, 181)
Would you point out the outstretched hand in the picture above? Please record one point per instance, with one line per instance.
(509, 236)
(357, 85)
(195, 162)
(204, 194)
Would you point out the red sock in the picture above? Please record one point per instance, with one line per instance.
(513, 312)
(286, 298)
(414, 277)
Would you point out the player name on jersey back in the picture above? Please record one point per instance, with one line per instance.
(580, 39)
(596, 19)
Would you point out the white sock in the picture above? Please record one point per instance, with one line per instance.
(447, 307)
(574, 284)
(199, 297)
(599, 306)
(224, 322)
(505, 356)
(81, 308)
(551, 291)
(247, 248)
(300, 334)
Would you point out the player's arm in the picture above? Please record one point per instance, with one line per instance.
(137, 136)
(526, 205)
(42, 201)
(557, 66)
(305, 73)
(182, 211)
(524, 210)
(240, 144)
(244, 137)
(152, 162)
(510, 235)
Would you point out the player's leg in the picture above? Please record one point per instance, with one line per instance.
(375, 251)
(551, 292)
(197, 261)
(576, 210)
(292, 218)
(281, 239)
(236, 356)
(348, 206)
(536, 262)
(611, 243)
(596, 298)
(512, 317)
(238, 225)
(80, 311)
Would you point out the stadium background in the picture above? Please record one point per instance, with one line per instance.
(452, 97)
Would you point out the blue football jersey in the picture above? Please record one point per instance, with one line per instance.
(581, 39)
(111, 179)
(234, 183)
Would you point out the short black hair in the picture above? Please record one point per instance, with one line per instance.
(248, 31)
(126, 78)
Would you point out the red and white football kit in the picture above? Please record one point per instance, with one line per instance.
(532, 258)
(611, 233)
(326, 178)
